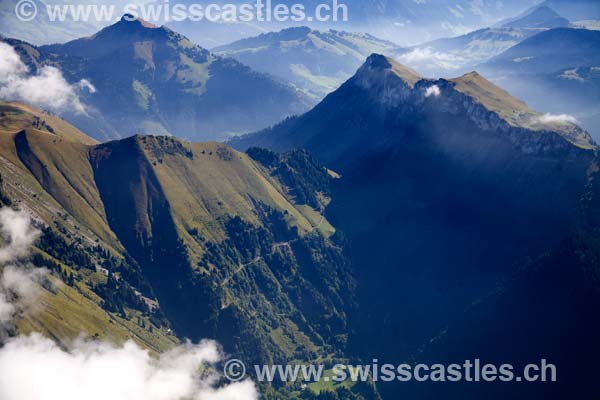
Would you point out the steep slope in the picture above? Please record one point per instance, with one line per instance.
(553, 298)
(448, 188)
(227, 252)
(152, 80)
(317, 62)
(163, 237)
(44, 170)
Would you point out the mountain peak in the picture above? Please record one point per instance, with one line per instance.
(542, 17)
(378, 62)
(133, 21)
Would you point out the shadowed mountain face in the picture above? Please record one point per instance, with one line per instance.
(316, 62)
(449, 189)
(152, 80)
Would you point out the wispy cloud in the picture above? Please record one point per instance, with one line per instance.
(19, 291)
(47, 89)
(33, 368)
(426, 57)
(557, 119)
(16, 229)
(19, 285)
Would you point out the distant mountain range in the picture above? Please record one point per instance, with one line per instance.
(152, 80)
(405, 21)
(449, 189)
(460, 54)
(574, 10)
(316, 62)
(556, 71)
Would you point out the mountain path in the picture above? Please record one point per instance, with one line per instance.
(275, 246)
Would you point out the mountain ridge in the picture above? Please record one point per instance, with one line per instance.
(316, 62)
(395, 87)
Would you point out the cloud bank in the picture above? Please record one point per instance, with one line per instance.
(48, 89)
(33, 368)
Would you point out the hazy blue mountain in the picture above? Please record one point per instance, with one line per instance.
(541, 17)
(460, 54)
(555, 71)
(152, 80)
(575, 10)
(404, 21)
(316, 62)
(549, 51)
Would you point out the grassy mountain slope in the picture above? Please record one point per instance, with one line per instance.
(151, 234)
(44, 170)
(211, 227)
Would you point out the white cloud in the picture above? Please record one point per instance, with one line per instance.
(19, 286)
(427, 57)
(16, 228)
(87, 85)
(556, 119)
(48, 89)
(433, 90)
(455, 12)
(19, 291)
(7, 310)
(33, 368)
